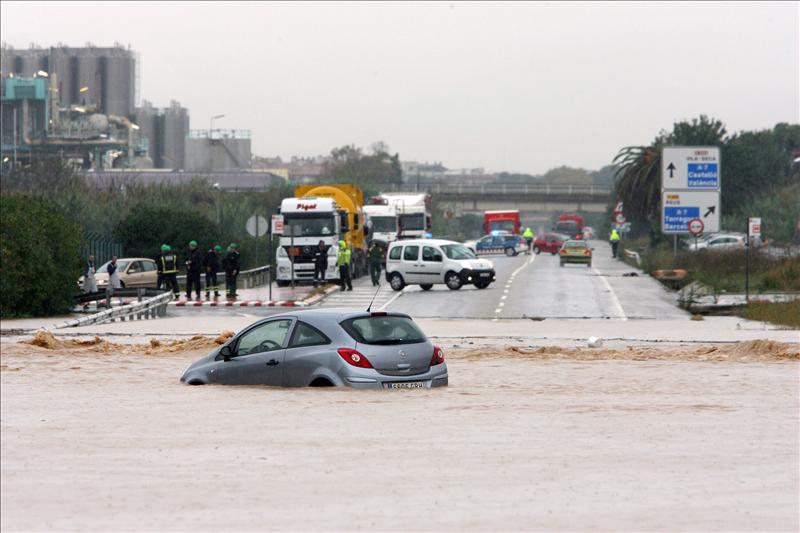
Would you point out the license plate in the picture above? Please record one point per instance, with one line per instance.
(406, 385)
(485, 274)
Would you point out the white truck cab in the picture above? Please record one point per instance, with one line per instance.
(313, 220)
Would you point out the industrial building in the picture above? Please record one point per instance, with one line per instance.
(166, 131)
(212, 150)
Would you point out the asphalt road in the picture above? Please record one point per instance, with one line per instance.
(536, 286)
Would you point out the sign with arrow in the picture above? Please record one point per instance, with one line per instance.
(679, 208)
(693, 168)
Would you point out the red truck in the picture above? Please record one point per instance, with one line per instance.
(501, 221)
(570, 225)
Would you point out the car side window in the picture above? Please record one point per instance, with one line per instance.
(135, 267)
(395, 253)
(307, 335)
(148, 266)
(410, 253)
(264, 338)
(430, 253)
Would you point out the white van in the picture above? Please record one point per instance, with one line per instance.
(427, 262)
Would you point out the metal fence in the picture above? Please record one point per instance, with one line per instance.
(101, 247)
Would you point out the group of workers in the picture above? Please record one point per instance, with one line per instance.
(197, 263)
(344, 257)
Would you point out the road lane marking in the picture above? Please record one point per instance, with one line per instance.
(505, 291)
(503, 297)
(511, 280)
(614, 299)
(496, 311)
(395, 297)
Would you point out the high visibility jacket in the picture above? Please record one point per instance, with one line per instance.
(614, 236)
(343, 257)
(527, 234)
(169, 263)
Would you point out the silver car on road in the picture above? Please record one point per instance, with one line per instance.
(323, 348)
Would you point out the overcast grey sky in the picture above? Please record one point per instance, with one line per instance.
(508, 86)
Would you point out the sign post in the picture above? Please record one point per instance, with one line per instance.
(256, 226)
(276, 228)
(690, 191)
(753, 230)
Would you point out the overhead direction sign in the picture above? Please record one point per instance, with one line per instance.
(693, 168)
(679, 208)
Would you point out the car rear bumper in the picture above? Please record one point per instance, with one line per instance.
(436, 376)
(576, 259)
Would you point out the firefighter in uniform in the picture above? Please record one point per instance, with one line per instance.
(343, 259)
(169, 269)
(211, 266)
(159, 267)
(194, 265)
(231, 266)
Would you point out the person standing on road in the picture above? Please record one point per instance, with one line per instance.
(89, 270)
(169, 269)
(211, 266)
(194, 265)
(160, 267)
(614, 240)
(320, 263)
(375, 254)
(528, 236)
(343, 262)
(231, 266)
(113, 281)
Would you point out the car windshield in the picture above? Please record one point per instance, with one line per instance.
(310, 226)
(121, 265)
(457, 251)
(384, 224)
(383, 330)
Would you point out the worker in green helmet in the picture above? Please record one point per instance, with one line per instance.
(194, 266)
(528, 236)
(169, 269)
(231, 264)
(159, 267)
(211, 263)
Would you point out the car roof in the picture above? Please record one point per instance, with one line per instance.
(437, 242)
(331, 313)
(134, 259)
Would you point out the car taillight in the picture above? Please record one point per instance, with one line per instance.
(354, 358)
(587, 252)
(438, 356)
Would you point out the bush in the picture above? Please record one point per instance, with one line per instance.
(39, 258)
(146, 228)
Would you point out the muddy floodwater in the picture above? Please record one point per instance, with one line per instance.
(102, 437)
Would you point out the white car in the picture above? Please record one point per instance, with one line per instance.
(428, 262)
(722, 241)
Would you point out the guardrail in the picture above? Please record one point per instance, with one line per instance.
(499, 188)
(255, 277)
(153, 307)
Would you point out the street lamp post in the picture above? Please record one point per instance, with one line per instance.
(219, 191)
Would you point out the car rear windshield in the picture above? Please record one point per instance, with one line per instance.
(576, 244)
(383, 329)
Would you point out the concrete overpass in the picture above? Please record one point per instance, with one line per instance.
(536, 203)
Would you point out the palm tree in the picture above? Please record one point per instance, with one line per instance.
(638, 185)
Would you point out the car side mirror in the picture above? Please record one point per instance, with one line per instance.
(226, 352)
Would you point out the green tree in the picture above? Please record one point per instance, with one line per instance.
(350, 164)
(144, 230)
(39, 257)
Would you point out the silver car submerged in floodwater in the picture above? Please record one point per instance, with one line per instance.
(325, 347)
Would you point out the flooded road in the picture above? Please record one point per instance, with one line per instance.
(107, 440)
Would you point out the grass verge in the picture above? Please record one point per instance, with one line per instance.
(781, 313)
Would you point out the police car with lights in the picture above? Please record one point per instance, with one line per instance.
(498, 242)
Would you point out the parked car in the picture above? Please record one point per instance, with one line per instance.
(574, 251)
(499, 243)
(721, 241)
(427, 262)
(549, 242)
(133, 272)
(326, 347)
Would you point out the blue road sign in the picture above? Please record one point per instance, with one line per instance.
(676, 219)
(702, 175)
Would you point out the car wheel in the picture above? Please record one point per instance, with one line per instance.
(281, 283)
(561, 263)
(510, 252)
(536, 250)
(426, 286)
(397, 282)
(453, 281)
(589, 264)
(121, 284)
(481, 284)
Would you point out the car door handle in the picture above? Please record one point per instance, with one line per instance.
(272, 362)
